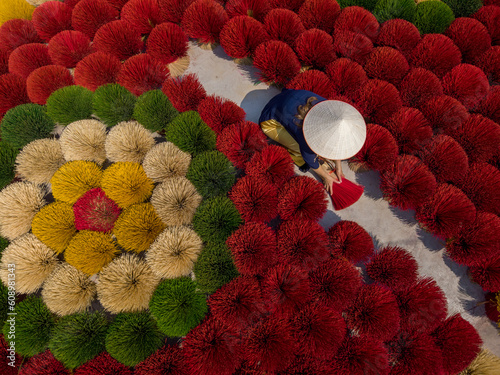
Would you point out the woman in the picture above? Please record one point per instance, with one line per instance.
(317, 136)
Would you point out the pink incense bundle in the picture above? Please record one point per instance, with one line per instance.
(345, 194)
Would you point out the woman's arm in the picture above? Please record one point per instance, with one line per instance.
(338, 170)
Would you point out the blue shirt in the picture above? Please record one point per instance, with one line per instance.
(283, 108)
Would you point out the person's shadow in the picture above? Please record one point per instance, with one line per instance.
(254, 102)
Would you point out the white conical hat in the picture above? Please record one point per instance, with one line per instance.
(334, 130)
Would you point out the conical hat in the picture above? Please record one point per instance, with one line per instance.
(334, 130)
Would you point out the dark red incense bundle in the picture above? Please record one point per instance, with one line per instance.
(470, 36)
(15, 33)
(4, 62)
(491, 2)
(487, 274)
(445, 158)
(276, 61)
(269, 344)
(141, 15)
(118, 4)
(72, 3)
(293, 5)
(142, 73)
(410, 129)
(477, 242)
(312, 80)
(489, 62)
(468, 84)
(104, 363)
(444, 113)
(407, 183)
(319, 331)
(394, 267)
(273, 163)
(345, 194)
(481, 183)
(172, 10)
(378, 152)
(374, 312)
(241, 35)
(184, 92)
(69, 47)
(387, 64)
(490, 107)
(90, 15)
(335, 283)
(319, 14)
(446, 212)
(119, 39)
(42, 82)
(495, 160)
(359, 20)
(12, 92)
(378, 100)
(307, 365)
(414, 352)
(240, 141)
(204, 20)
(4, 364)
(354, 46)
(219, 113)
(257, 9)
(479, 137)
(254, 248)
(210, 348)
(286, 288)
(255, 198)
(437, 53)
(302, 197)
(459, 342)
(488, 16)
(239, 303)
(399, 34)
(167, 358)
(314, 48)
(303, 243)
(43, 363)
(283, 25)
(51, 18)
(96, 70)
(28, 57)
(419, 86)
(422, 306)
(350, 240)
(361, 355)
(346, 76)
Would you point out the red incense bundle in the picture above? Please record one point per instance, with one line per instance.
(345, 194)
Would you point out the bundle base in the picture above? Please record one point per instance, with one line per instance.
(358, 167)
(244, 61)
(179, 66)
(207, 46)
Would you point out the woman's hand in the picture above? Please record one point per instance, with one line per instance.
(330, 177)
(336, 177)
(328, 180)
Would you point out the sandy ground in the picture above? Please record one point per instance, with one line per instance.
(387, 225)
